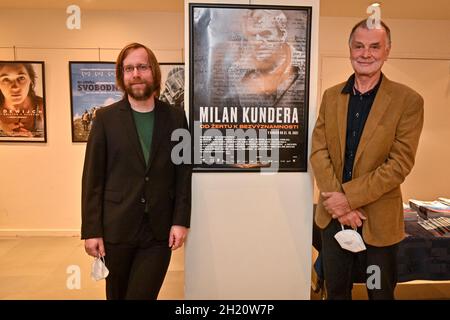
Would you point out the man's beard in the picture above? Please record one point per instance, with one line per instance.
(138, 93)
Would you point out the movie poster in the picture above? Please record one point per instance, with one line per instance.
(93, 86)
(172, 84)
(22, 101)
(249, 88)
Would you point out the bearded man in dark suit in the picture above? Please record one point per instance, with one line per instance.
(136, 201)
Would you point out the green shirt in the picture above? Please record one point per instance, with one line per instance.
(144, 124)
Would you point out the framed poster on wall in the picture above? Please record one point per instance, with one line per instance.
(22, 101)
(92, 86)
(249, 76)
(172, 83)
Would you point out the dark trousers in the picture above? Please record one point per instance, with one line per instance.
(136, 270)
(342, 267)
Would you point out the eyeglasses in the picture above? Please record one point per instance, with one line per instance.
(139, 67)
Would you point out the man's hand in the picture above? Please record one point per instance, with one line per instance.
(94, 247)
(353, 219)
(177, 236)
(336, 204)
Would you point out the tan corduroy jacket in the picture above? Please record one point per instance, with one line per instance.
(384, 157)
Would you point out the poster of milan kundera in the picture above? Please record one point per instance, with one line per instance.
(249, 84)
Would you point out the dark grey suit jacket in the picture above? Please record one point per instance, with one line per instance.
(117, 186)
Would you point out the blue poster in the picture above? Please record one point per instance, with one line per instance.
(92, 87)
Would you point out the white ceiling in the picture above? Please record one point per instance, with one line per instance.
(396, 9)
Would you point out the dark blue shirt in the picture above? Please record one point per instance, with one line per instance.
(359, 106)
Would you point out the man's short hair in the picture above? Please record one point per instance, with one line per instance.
(154, 66)
(278, 17)
(363, 24)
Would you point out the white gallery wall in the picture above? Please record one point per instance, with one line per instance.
(41, 182)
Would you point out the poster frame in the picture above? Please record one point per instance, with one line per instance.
(193, 108)
(41, 85)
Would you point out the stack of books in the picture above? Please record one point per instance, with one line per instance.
(439, 227)
(444, 201)
(431, 209)
(408, 213)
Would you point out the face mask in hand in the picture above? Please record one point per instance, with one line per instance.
(99, 270)
(350, 240)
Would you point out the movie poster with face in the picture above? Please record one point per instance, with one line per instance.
(249, 76)
(22, 101)
(93, 86)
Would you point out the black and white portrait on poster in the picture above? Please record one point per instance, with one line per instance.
(22, 101)
(249, 88)
(172, 83)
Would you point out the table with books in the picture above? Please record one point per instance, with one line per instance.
(424, 254)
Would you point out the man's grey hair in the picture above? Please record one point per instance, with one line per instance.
(363, 24)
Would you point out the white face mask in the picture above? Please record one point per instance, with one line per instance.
(99, 270)
(350, 240)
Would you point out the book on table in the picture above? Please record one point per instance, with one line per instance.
(430, 209)
(444, 200)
